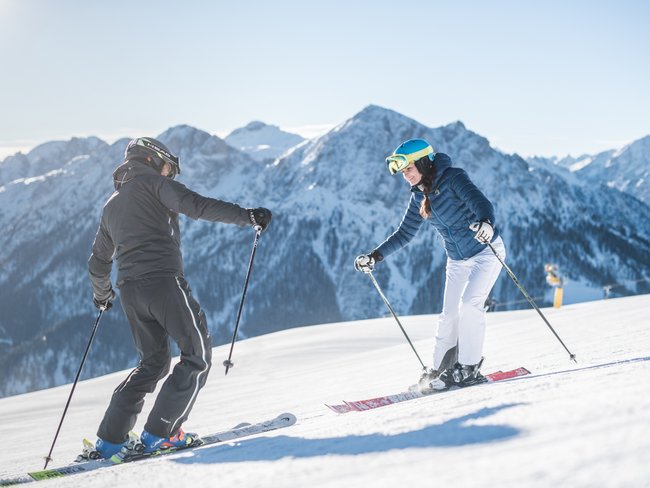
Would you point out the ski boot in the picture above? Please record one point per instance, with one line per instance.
(460, 375)
(131, 448)
(101, 449)
(153, 443)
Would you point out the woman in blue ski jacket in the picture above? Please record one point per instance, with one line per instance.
(445, 197)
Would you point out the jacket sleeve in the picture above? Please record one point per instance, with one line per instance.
(180, 199)
(101, 262)
(406, 231)
(472, 196)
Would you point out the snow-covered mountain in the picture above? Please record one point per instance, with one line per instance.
(578, 425)
(47, 157)
(332, 198)
(626, 169)
(262, 141)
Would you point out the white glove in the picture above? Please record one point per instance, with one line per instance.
(484, 231)
(364, 263)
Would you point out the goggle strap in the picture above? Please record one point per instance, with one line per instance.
(164, 155)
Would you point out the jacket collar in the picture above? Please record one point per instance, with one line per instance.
(129, 169)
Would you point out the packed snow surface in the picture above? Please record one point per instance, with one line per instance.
(567, 424)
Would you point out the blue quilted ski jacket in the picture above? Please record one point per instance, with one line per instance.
(455, 204)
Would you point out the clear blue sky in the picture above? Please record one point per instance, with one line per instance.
(534, 77)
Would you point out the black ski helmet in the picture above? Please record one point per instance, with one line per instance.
(154, 153)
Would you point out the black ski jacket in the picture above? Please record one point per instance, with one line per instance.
(139, 226)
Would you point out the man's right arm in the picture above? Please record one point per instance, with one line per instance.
(180, 199)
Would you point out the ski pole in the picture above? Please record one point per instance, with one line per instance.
(531, 301)
(381, 294)
(74, 385)
(228, 363)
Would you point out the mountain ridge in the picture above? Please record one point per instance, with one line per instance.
(332, 198)
(263, 142)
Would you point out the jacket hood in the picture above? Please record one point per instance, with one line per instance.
(130, 169)
(441, 163)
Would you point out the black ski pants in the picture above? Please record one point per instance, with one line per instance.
(159, 308)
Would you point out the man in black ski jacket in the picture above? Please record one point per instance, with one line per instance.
(139, 229)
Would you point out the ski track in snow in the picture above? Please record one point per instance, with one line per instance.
(567, 424)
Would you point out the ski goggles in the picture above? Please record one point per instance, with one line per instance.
(167, 157)
(399, 162)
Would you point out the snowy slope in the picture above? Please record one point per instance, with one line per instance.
(578, 425)
(262, 141)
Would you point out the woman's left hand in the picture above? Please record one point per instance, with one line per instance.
(484, 231)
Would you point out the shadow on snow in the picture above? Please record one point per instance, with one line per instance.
(456, 432)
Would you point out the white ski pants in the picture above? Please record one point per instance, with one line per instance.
(462, 321)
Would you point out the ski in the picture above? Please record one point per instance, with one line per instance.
(240, 431)
(412, 393)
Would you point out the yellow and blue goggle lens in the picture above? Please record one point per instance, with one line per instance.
(397, 163)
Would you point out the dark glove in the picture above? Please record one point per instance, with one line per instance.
(260, 217)
(104, 304)
(366, 262)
